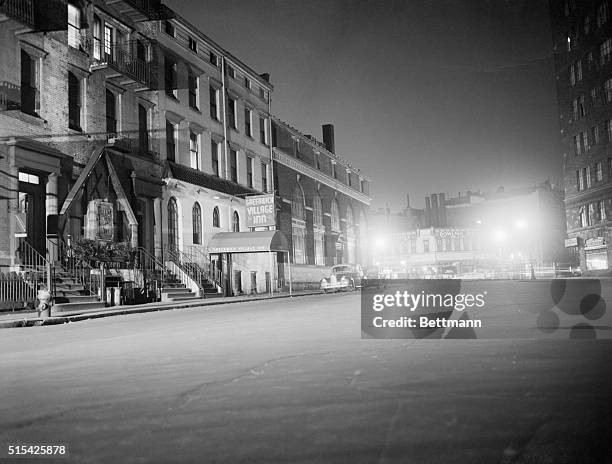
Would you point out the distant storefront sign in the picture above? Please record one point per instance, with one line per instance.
(595, 242)
(260, 210)
(571, 242)
(105, 221)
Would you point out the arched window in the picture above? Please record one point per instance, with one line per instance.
(216, 217)
(235, 222)
(335, 216)
(317, 210)
(196, 219)
(297, 204)
(318, 230)
(172, 224)
(350, 235)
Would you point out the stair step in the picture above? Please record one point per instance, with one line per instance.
(76, 299)
(70, 307)
(175, 289)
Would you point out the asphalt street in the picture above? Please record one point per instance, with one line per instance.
(292, 381)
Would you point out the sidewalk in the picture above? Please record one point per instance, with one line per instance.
(30, 318)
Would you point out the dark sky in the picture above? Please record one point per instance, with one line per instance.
(426, 95)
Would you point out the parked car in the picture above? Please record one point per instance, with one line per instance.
(343, 277)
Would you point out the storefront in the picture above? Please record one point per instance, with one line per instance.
(251, 262)
(596, 253)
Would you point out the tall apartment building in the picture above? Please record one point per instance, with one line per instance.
(121, 122)
(582, 47)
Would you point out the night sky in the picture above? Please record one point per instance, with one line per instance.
(426, 95)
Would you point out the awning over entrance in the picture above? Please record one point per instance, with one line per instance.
(248, 242)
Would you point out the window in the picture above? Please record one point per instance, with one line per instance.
(111, 113)
(599, 171)
(605, 51)
(572, 71)
(235, 222)
(593, 97)
(215, 217)
(335, 216)
(578, 70)
(214, 99)
(585, 141)
(248, 121)
(74, 102)
(249, 166)
(608, 90)
(194, 150)
(214, 154)
(350, 235)
(97, 38)
(193, 45)
(581, 107)
(29, 84)
(170, 71)
(595, 135)
(196, 221)
(262, 93)
(349, 180)
(247, 82)
(264, 177)
(109, 42)
(192, 83)
(212, 57)
(143, 129)
(233, 165)
(592, 213)
(263, 130)
(425, 246)
(173, 233)
(609, 129)
(334, 171)
(587, 25)
(579, 180)
(170, 141)
(362, 186)
(319, 230)
(317, 210)
(297, 204)
(230, 71)
(231, 113)
(602, 13)
(575, 109)
(169, 28)
(590, 60)
(602, 210)
(584, 218)
(317, 161)
(74, 26)
(298, 223)
(587, 175)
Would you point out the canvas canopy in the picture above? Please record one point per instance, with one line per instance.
(248, 242)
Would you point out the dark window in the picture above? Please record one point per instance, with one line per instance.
(193, 89)
(141, 51)
(97, 38)
(235, 222)
(193, 45)
(143, 129)
(170, 76)
(213, 59)
(231, 112)
(249, 172)
(262, 130)
(196, 219)
(247, 82)
(28, 84)
(170, 141)
(168, 28)
(74, 102)
(215, 217)
(172, 224)
(264, 177)
(334, 171)
(231, 72)
(247, 122)
(214, 111)
(214, 153)
(111, 113)
(317, 161)
(234, 165)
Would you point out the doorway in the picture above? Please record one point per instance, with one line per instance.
(31, 216)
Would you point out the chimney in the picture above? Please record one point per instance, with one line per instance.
(407, 201)
(328, 137)
(427, 212)
(442, 210)
(434, 207)
(265, 77)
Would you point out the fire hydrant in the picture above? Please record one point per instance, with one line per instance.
(44, 302)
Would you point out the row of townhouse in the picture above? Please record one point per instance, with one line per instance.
(120, 122)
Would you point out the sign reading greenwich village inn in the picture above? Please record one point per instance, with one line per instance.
(260, 210)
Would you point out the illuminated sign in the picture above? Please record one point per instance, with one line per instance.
(260, 210)
(571, 242)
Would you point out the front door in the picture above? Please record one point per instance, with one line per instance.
(31, 217)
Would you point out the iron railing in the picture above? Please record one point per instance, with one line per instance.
(152, 274)
(10, 96)
(17, 289)
(186, 265)
(21, 10)
(75, 268)
(122, 58)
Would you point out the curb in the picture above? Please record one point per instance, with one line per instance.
(138, 309)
